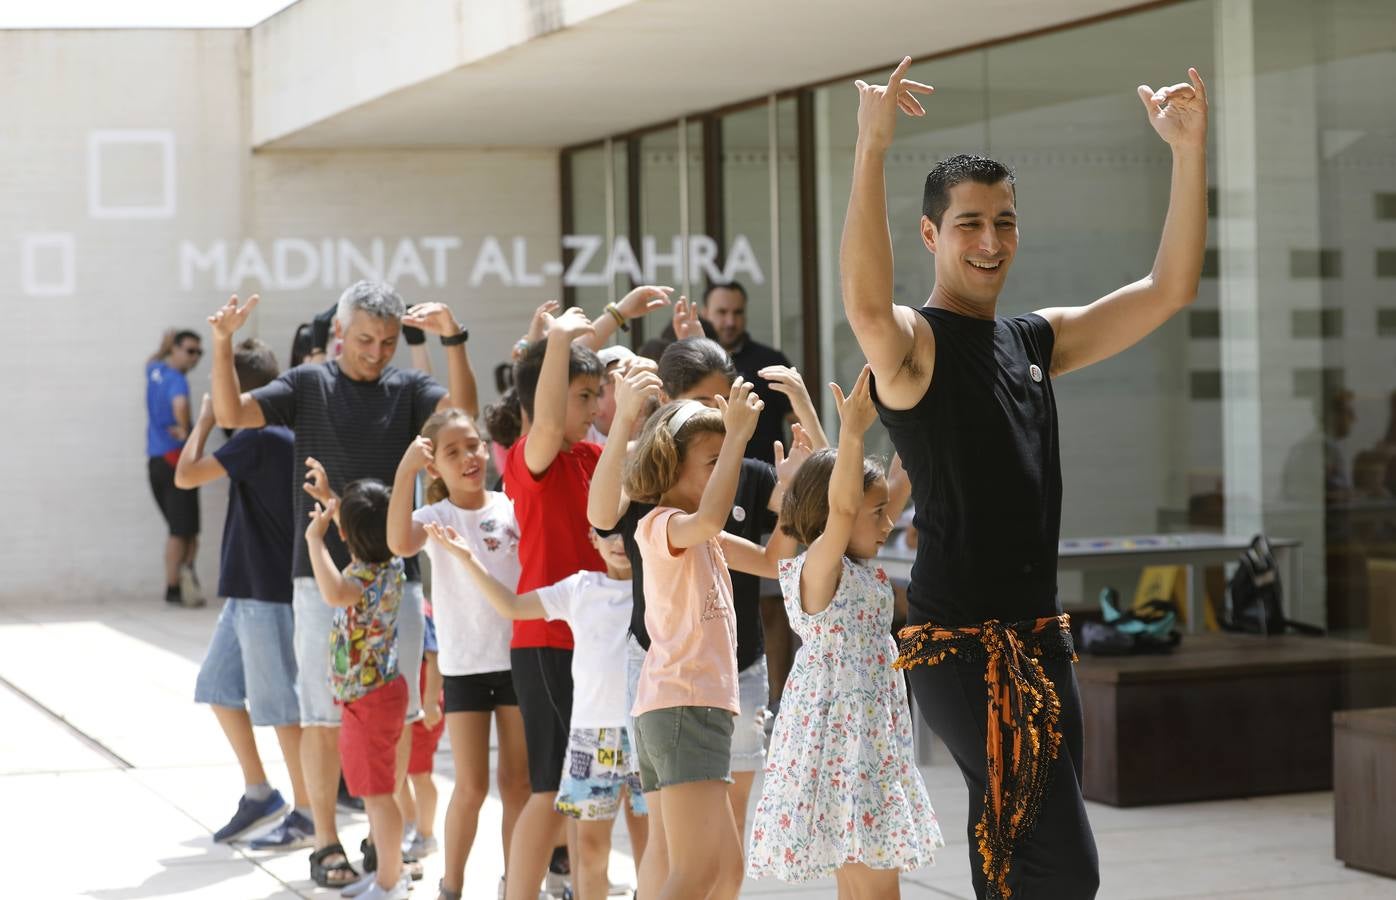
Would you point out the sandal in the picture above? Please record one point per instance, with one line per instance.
(410, 864)
(336, 874)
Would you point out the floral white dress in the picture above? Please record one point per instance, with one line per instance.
(841, 784)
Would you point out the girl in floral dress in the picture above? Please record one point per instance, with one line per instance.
(842, 795)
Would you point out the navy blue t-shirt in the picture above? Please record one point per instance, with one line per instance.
(258, 534)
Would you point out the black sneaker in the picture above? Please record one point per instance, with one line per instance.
(173, 595)
(347, 800)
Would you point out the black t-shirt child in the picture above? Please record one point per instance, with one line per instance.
(257, 542)
(981, 448)
(749, 519)
(358, 429)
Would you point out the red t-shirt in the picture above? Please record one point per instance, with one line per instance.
(551, 510)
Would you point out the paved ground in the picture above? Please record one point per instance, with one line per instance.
(112, 781)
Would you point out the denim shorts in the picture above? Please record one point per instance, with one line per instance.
(683, 744)
(315, 619)
(251, 662)
(749, 731)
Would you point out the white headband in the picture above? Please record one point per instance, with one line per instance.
(679, 419)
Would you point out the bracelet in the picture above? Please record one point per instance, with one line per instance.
(521, 344)
(618, 316)
(457, 339)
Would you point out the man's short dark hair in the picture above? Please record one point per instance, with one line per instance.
(363, 514)
(957, 170)
(182, 336)
(255, 364)
(724, 286)
(583, 363)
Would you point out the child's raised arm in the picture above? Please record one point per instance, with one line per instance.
(407, 537)
(334, 587)
(606, 501)
(819, 578)
(194, 468)
(742, 554)
(639, 302)
(787, 380)
(740, 411)
(505, 602)
(549, 423)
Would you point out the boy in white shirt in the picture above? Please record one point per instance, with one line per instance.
(601, 764)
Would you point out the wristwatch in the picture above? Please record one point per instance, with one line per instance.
(455, 340)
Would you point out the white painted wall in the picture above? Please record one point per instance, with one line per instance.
(79, 519)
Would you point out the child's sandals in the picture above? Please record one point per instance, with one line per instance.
(337, 873)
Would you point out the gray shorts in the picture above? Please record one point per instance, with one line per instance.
(749, 731)
(315, 619)
(683, 744)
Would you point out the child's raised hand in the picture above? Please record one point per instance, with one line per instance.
(741, 409)
(644, 299)
(800, 449)
(451, 540)
(571, 325)
(317, 481)
(320, 519)
(686, 323)
(856, 411)
(634, 389)
(419, 454)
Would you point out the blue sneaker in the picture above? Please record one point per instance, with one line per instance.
(294, 831)
(250, 814)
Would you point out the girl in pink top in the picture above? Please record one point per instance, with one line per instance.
(687, 462)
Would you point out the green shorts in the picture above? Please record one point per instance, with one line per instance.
(681, 744)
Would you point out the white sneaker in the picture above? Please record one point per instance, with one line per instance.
(359, 888)
(190, 594)
(399, 891)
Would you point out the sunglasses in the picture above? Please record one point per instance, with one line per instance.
(194, 351)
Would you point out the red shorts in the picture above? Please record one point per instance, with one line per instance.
(424, 740)
(368, 737)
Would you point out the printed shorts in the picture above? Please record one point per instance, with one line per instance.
(599, 763)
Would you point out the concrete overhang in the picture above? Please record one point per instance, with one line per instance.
(547, 73)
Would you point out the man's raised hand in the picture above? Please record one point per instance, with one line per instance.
(230, 317)
(1178, 112)
(878, 105)
(435, 318)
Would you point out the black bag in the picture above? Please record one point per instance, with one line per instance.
(1255, 595)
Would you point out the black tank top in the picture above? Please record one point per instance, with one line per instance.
(981, 448)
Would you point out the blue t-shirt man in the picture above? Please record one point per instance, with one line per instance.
(163, 383)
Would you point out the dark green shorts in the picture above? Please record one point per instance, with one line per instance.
(681, 744)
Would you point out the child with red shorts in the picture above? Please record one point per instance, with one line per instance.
(417, 795)
(364, 675)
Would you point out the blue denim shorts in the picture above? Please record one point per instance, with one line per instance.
(315, 619)
(749, 730)
(251, 662)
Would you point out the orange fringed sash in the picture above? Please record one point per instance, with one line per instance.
(1023, 737)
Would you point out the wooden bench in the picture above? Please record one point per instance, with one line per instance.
(1364, 789)
(1224, 716)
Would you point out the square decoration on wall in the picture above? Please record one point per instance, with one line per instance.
(131, 174)
(48, 265)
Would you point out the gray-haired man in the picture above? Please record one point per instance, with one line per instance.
(353, 418)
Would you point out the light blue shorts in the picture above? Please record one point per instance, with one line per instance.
(251, 662)
(315, 619)
(749, 729)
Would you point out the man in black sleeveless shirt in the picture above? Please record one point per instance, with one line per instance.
(967, 398)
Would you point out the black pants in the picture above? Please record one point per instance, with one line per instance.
(1057, 860)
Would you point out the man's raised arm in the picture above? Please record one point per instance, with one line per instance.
(231, 407)
(885, 333)
(1117, 321)
(436, 318)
